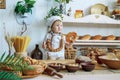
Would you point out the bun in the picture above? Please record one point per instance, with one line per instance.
(86, 37)
(97, 37)
(37, 69)
(110, 37)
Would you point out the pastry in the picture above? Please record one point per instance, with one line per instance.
(97, 37)
(86, 37)
(110, 37)
(71, 37)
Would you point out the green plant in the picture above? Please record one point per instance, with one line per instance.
(25, 6)
(13, 63)
(61, 1)
(4, 75)
(9, 64)
(54, 12)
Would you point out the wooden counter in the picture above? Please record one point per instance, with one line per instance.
(99, 73)
(82, 75)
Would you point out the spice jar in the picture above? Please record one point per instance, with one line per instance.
(37, 53)
(78, 13)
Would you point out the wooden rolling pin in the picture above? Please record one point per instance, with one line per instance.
(50, 71)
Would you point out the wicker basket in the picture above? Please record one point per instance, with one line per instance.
(70, 53)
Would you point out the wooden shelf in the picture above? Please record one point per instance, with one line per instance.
(97, 42)
(93, 18)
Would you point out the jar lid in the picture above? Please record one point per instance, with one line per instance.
(79, 10)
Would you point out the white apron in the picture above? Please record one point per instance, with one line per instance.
(55, 42)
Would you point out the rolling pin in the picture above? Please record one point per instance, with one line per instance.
(50, 71)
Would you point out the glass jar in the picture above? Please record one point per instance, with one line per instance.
(78, 14)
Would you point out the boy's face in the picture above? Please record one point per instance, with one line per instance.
(57, 27)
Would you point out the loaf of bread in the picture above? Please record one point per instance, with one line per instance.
(97, 37)
(85, 37)
(110, 37)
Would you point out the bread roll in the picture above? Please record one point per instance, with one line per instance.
(97, 37)
(117, 53)
(110, 37)
(86, 37)
(118, 1)
(118, 38)
(37, 69)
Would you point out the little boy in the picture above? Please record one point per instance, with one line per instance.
(54, 42)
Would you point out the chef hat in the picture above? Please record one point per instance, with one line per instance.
(52, 19)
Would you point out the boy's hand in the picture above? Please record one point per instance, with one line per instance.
(69, 45)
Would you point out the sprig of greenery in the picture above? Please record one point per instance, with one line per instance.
(13, 62)
(4, 75)
(54, 12)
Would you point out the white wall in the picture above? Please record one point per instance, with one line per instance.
(86, 4)
(37, 29)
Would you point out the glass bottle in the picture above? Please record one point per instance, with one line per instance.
(37, 53)
(62, 7)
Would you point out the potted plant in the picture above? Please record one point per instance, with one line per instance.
(54, 12)
(25, 6)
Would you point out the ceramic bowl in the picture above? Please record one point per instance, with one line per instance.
(56, 66)
(72, 67)
(87, 66)
(111, 63)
